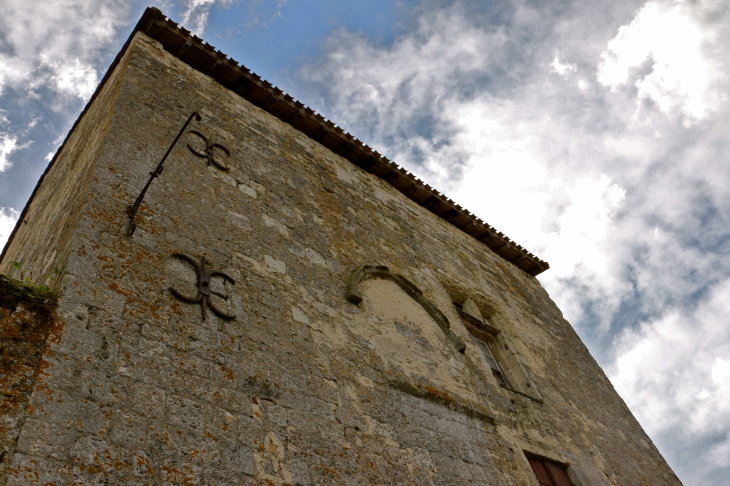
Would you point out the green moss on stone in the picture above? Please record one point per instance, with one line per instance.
(34, 299)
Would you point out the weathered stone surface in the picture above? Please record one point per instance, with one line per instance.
(26, 320)
(303, 387)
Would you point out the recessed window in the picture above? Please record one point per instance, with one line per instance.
(503, 363)
(497, 370)
(549, 473)
(485, 338)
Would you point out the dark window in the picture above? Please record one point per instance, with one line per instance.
(549, 473)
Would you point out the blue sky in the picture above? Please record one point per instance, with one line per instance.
(593, 133)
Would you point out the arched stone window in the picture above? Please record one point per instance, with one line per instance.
(368, 271)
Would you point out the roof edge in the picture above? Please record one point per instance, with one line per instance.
(204, 58)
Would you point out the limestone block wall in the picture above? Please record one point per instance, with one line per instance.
(26, 321)
(303, 386)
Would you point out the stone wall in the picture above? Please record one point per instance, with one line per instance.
(26, 320)
(304, 386)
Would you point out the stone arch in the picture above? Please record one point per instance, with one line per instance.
(370, 271)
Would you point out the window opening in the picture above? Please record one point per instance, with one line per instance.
(476, 324)
(493, 364)
(503, 363)
(549, 473)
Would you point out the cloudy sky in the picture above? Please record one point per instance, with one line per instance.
(593, 133)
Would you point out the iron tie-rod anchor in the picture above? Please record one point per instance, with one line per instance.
(132, 210)
(203, 296)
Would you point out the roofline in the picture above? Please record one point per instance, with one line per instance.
(237, 78)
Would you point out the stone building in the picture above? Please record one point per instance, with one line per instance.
(283, 306)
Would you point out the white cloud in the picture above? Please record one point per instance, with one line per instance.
(8, 218)
(563, 217)
(384, 90)
(60, 48)
(562, 69)
(721, 372)
(7, 145)
(195, 15)
(674, 373)
(665, 40)
(583, 226)
(74, 78)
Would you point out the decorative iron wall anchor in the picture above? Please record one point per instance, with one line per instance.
(208, 153)
(203, 296)
(132, 210)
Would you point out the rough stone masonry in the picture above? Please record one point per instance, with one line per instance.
(361, 334)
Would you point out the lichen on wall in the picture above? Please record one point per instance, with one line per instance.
(26, 319)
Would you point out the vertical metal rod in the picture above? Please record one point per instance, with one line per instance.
(132, 210)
